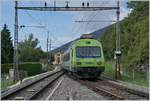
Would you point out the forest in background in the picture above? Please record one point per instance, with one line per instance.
(28, 49)
(134, 37)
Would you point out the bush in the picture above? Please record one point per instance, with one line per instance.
(31, 68)
(5, 68)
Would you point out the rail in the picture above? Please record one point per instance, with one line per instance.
(44, 80)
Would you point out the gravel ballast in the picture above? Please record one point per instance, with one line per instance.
(70, 89)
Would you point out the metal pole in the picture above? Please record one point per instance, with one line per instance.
(50, 51)
(54, 3)
(15, 65)
(117, 53)
(47, 46)
(118, 18)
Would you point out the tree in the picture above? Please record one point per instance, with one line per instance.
(30, 55)
(30, 42)
(28, 50)
(6, 46)
(140, 9)
(133, 34)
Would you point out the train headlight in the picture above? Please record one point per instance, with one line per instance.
(99, 63)
(78, 63)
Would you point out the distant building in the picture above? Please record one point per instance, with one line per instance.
(57, 58)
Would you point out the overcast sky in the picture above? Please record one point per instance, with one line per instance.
(61, 25)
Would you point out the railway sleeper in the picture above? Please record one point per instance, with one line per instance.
(113, 96)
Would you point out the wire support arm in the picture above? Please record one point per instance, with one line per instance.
(67, 8)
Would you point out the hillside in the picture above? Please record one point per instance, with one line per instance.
(96, 34)
(134, 37)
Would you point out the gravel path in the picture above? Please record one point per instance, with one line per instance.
(70, 89)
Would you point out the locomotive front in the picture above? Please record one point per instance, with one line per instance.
(88, 59)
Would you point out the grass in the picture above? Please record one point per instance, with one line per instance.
(32, 68)
(127, 76)
(6, 82)
(139, 78)
(108, 70)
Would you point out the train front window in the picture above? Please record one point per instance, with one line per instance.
(88, 52)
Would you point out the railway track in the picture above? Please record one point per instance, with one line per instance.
(32, 90)
(113, 91)
(116, 85)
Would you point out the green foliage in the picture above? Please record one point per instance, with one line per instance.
(109, 70)
(108, 42)
(28, 50)
(6, 82)
(140, 78)
(31, 55)
(31, 68)
(134, 35)
(30, 42)
(52, 58)
(5, 68)
(6, 46)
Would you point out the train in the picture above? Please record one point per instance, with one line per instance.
(84, 57)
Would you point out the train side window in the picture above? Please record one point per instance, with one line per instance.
(72, 52)
(66, 57)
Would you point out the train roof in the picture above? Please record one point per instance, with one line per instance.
(86, 36)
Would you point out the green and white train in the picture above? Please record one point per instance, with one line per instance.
(84, 57)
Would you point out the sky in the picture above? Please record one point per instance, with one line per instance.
(61, 26)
